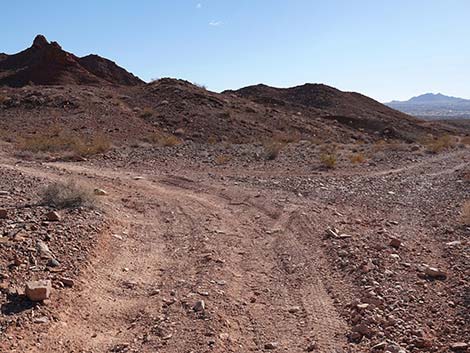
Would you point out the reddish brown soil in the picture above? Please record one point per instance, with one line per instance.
(250, 239)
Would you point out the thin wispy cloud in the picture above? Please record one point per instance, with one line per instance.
(215, 23)
(199, 6)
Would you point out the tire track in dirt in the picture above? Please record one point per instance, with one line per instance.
(180, 242)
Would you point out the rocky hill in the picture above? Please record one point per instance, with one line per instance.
(47, 63)
(92, 94)
(350, 109)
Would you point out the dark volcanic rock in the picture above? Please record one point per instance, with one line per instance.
(47, 63)
(108, 70)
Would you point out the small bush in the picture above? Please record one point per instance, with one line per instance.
(146, 113)
(98, 144)
(222, 159)
(357, 158)
(164, 140)
(212, 140)
(287, 137)
(170, 141)
(68, 194)
(440, 144)
(272, 149)
(46, 143)
(3, 99)
(54, 141)
(466, 213)
(328, 160)
(379, 145)
(204, 87)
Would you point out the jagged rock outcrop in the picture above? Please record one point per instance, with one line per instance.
(46, 63)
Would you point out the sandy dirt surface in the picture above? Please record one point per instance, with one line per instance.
(230, 259)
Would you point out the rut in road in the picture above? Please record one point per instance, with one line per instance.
(245, 260)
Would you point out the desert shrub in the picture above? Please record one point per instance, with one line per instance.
(222, 159)
(357, 158)
(3, 99)
(170, 141)
(46, 143)
(54, 141)
(200, 85)
(328, 156)
(67, 194)
(466, 212)
(436, 145)
(314, 140)
(98, 144)
(287, 137)
(379, 145)
(272, 149)
(211, 140)
(164, 140)
(328, 160)
(146, 113)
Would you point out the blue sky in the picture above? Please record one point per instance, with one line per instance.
(386, 49)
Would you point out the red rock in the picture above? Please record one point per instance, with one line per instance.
(395, 243)
(68, 282)
(53, 216)
(38, 290)
(435, 273)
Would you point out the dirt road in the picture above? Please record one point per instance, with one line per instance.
(191, 266)
(175, 243)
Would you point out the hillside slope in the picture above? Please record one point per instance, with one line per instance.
(348, 108)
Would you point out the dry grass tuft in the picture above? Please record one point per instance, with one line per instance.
(222, 159)
(146, 113)
(287, 137)
(272, 149)
(3, 99)
(67, 194)
(170, 141)
(98, 144)
(60, 142)
(329, 160)
(390, 145)
(357, 158)
(329, 156)
(442, 143)
(163, 140)
(212, 140)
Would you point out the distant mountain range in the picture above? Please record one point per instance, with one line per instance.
(434, 106)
